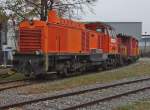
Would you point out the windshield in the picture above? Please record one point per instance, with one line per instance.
(101, 30)
(112, 33)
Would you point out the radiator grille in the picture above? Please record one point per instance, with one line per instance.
(30, 40)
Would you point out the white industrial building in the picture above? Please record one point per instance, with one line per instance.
(6, 43)
(11, 35)
(127, 28)
(144, 44)
(3, 34)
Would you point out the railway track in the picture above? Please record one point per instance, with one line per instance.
(83, 92)
(5, 85)
(11, 81)
(106, 99)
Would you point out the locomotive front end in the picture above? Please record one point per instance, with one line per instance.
(29, 58)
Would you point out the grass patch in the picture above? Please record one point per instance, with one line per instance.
(141, 105)
(140, 68)
(16, 76)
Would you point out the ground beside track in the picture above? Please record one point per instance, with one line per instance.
(140, 68)
(139, 105)
(137, 70)
(8, 77)
(6, 74)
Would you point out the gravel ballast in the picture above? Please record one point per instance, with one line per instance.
(15, 95)
(20, 94)
(75, 100)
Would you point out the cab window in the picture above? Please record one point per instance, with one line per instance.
(99, 30)
(112, 33)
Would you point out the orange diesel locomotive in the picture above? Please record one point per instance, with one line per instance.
(65, 47)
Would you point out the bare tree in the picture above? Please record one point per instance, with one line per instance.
(17, 10)
(67, 8)
(3, 16)
(39, 8)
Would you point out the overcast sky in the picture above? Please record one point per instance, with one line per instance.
(122, 10)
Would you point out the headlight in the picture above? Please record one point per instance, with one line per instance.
(38, 52)
(13, 52)
(31, 22)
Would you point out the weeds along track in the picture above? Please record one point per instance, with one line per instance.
(4, 72)
(81, 92)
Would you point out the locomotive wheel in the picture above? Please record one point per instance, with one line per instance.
(63, 73)
(40, 76)
(27, 75)
(105, 67)
(82, 70)
(121, 62)
(66, 73)
(96, 69)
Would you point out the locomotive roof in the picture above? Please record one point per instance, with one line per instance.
(99, 24)
(126, 36)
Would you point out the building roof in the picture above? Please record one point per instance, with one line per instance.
(116, 21)
(146, 36)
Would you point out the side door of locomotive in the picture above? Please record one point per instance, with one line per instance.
(105, 41)
(61, 40)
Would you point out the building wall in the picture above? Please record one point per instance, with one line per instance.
(11, 41)
(3, 34)
(128, 28)
(3, 40)
(144, 44)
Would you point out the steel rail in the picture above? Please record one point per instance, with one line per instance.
(15, 86)
(105, 99)
(71, 93)
(26, 82)
(13, 81)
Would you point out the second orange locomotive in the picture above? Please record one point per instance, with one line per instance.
(65, 46)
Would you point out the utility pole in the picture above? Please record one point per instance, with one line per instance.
(145, 43)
